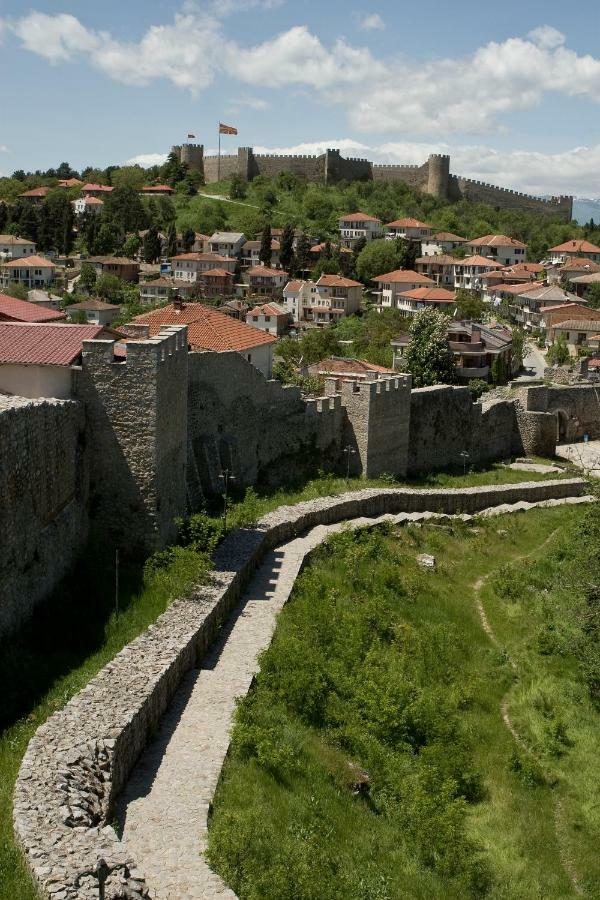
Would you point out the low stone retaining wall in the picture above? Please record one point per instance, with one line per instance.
(79, 760)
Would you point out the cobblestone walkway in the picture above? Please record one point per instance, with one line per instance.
(163, 811)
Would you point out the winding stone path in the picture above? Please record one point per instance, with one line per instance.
(164, 809)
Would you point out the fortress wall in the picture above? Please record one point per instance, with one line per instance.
(43, 500)
(377, 427)
(415, 177)
(78, 762)
(481, 192)
(579, 405)
(137, 427)
(229, 167)
(340, 168)
(309, 167)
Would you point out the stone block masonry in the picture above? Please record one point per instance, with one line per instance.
(78, 762)
(43, 500)
(137, 427)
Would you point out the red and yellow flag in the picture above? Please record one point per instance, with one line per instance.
(227, 129)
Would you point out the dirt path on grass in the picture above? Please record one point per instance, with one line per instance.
(557, 804)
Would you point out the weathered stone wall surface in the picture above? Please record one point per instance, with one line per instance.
(256, 428)
(78, 761)
(43, 500)
(577, 406)
(137, 429)
(377, 426)
(480, 192)
(227, 168)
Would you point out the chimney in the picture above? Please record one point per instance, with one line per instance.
(475, 334)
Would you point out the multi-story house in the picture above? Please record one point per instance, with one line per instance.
(32, 271)
(468, 273)
(216, 282)
(227, 243)
(188, 266)
(505, 250)
(250, 254)
(571, 249)
(478, 350)
(264, 281)
(96, 190)
(327, 300)
(121, 266)
(527, 306)
(87, 205)
(410, 229)
(13, 247)
(439, 268)
(270, 317)
(35, 195)
(392, 284)
(411, 302)
(162, 289)
(358, 225)
(442, 242)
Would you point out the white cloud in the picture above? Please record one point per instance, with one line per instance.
(372, 22)
(470, 94)
(236, 105)
(3, 148)
(145, 160)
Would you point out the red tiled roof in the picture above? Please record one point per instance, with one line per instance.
(43, 345)
(580, 262)
(496, 240)
(441, 259)
(342, 366)
(522, 288)
(408, 223)
(36, 192)
(30, 262)
(157, 189)
(404, 276)
(293, 286)
(97, 187)
(481, 261)
(268, 309)
(447, 236)
(266, 272)
(94, 305)
(22, 311)
(91, 201)
(358, 217)
(203, 257)
(208, 329)
(338, 281)
(69, 182)
(432, 295)
(592, 313)
(579, 246)
(218, 273)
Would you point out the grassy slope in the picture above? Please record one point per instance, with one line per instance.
(47, 663)
(271, 820)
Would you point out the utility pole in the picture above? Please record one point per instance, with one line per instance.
(464, 456)
(227, 476)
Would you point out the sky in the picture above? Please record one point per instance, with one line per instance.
(510, 90)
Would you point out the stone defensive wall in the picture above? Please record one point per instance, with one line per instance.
(43, 500)
(78, 762)
(577, 408)
(431, 177)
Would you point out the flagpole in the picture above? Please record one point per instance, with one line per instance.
(219, 158)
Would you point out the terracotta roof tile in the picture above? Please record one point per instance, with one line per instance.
(30, 262)
(338, 281)
(358, 217)
(36, 192)
(408, 223)
(577, 246)
(480, 261)
(40, 344)
(496, 240)
(22, 311)
(208, 329)
(266, 272)
(404, 276)
(432, 295)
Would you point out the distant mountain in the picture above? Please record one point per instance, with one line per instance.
(584, 210)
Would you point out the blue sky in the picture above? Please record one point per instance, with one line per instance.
(510, 90)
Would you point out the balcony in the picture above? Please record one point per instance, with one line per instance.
(466, 346)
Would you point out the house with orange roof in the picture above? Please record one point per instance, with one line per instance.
(498, 247)
(159, 290)
(250, 254)
(411, 302)
(32, 271)
(87, 204)
(410, 229)
(35, 195)
(13, 310)
(572, 249)
(13, 247)
(391, 284)
(553, 315)
(346, 369)
(216, 282)
(70, 182)
(270, 317)
(322, 302)
(440, 268)
(210, 330)
(264, 281)
(357, 225)
(188, 267)
(157, 190)
(441, 242)
(96, 190)
(469, 272)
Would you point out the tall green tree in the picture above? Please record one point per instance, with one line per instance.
(171, 240)
(152, 245)
(469, 305)
(286, 247)
(187, 239)
(377, 258)
(87, 277)
(302, 261)
(124, 208)
(265, 246)
(428, 356)
(592, 295)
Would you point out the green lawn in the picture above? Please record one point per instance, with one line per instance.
(379, 666)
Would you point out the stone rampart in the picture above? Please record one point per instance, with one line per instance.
(79, 760)
(505, 198)
(43, 500)
(576, 409)
(227, 168)
(376, 433)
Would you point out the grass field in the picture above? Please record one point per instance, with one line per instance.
(480, 747)
(77, 632)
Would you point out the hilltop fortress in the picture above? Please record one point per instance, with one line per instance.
(433, 177)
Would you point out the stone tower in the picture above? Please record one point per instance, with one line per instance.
(438, 180)
(192, 155)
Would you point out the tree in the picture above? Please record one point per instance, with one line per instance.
(592, 295)
(407, 253)
(187, 239)
(125, 210)
(302, 254)
(3, 217)
(237, 187)
(377, 258)
(265, 246)
(428, 356)
(132, 246)
(171, 240)
(88, 277)
(110, 288)
(558, 352)
(286, 247)
(152, 245)
(17, 290)
(469, 305)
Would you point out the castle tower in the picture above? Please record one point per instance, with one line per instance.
(377, 425)
(192, 155)
(438, 181)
